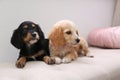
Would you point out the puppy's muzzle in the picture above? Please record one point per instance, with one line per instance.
(34, 35)
(35, 38)
(77, 40)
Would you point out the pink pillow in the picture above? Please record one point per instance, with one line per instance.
(105, 37)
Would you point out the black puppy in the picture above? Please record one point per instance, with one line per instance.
(29, 38)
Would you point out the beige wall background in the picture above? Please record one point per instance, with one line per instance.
(87, 14)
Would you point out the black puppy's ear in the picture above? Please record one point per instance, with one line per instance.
(16, 39)
(40, 32)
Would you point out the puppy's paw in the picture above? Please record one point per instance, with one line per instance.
(21, 62)
(58, 60)
(49, 60)
(66, 60)
(89, 55)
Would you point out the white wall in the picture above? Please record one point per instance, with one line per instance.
(87, 14)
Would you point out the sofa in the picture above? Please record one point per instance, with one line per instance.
(104, 66)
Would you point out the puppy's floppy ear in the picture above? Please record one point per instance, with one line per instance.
(57, 36)
(16, 39)
(40, 32)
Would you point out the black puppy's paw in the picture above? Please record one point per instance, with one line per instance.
(21, 62)
(49, 60)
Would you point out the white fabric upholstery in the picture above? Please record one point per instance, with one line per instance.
(104, 66)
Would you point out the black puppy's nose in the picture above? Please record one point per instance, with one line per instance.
(77, 40)
(33, 35)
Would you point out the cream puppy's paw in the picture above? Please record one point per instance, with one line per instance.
(88, 55)
(66, 60)
(58, 60)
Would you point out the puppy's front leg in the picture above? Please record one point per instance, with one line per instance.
(86, 52)
(21, 62)
(70, 57)
(49, 60)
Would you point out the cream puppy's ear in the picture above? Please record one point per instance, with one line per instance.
(56, 36)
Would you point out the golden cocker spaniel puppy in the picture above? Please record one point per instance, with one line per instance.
(65, 43)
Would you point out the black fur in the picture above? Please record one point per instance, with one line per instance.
(29, 50)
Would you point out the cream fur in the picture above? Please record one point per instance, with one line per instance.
(63, 45)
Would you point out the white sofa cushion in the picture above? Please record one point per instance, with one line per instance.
(104, 66)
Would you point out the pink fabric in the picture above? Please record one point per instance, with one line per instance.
(105, 37)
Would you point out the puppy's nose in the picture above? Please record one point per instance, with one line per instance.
(77, 40)
(33, 35)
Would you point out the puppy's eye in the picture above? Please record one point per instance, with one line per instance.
(68, 32)
(33, 27)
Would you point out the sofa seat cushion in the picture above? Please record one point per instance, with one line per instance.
(104, 66)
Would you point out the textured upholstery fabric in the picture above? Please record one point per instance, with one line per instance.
(105, 37)
(104, 66)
